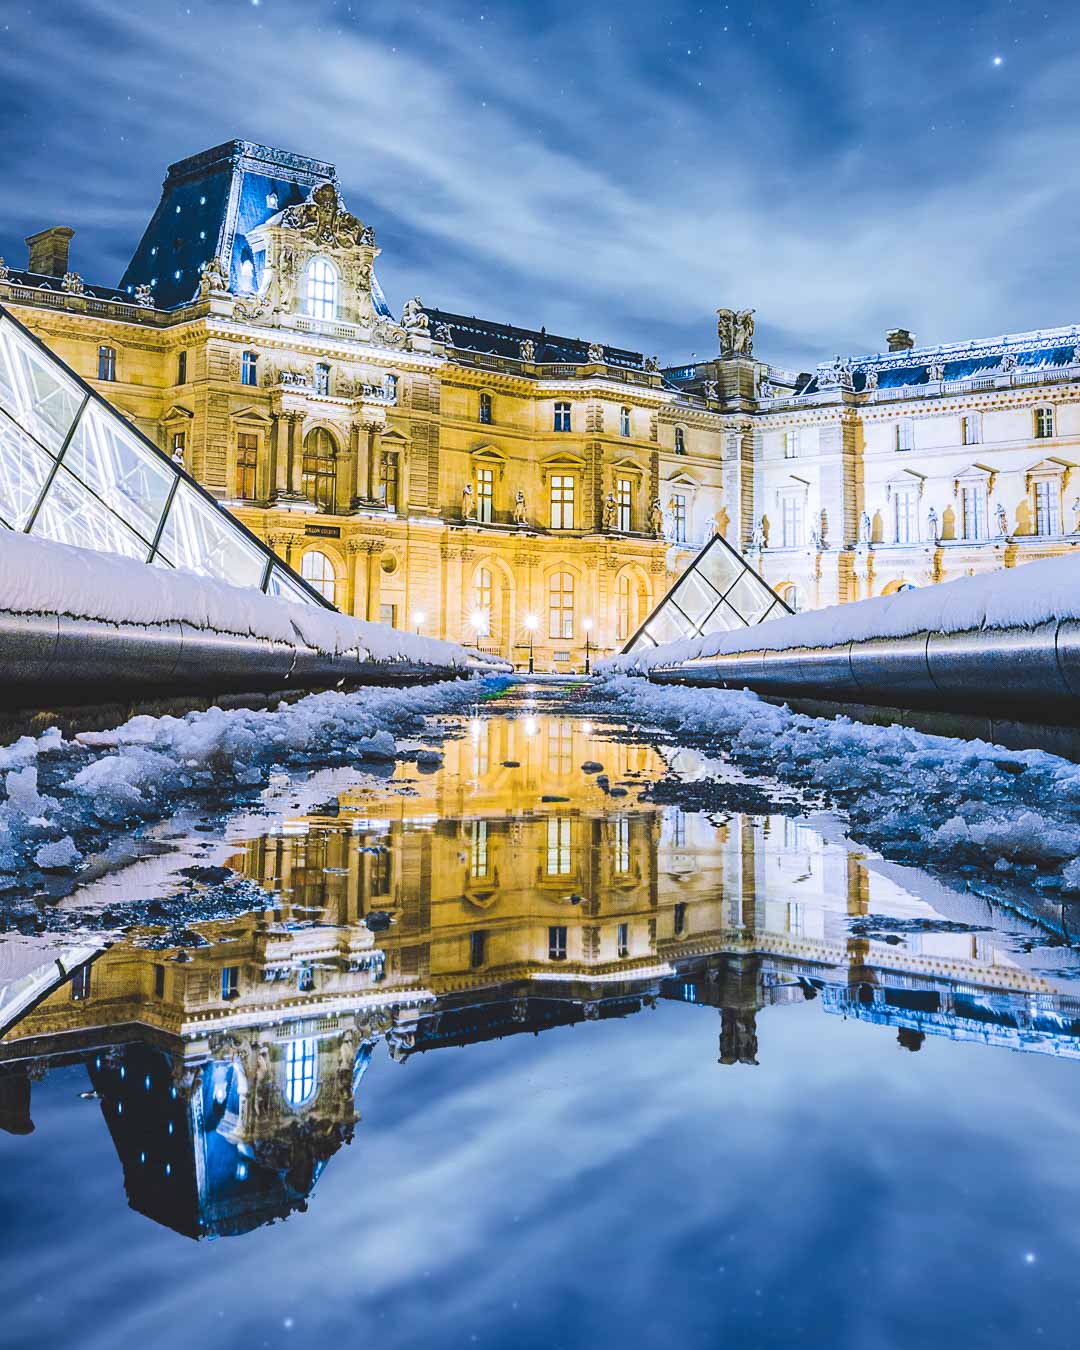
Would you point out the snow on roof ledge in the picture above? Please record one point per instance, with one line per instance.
(38, 576)
(1020, 597)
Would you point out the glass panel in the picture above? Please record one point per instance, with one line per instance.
(668, 625)
(695, 597)
(283, 587)
(202, 538)
(34, 390)
(750, 598)
(23, 470)
(69, 515)
(120, 469)
(718, 565)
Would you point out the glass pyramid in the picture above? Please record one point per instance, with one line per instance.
(72, 469)
(717, 592)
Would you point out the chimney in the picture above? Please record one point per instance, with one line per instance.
(900, 340)
(49, 251)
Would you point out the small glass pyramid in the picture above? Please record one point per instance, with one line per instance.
(73, 470)
(717, 592)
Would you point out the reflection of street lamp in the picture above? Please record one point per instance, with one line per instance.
(418, 618)
(479, 621)
(587, 625)
(532, 623)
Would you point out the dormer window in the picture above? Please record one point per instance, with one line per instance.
(322, 289)
(272, 201)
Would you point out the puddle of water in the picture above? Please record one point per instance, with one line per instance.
(717, 1092)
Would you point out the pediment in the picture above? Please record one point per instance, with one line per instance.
(682, 480)
(249, 413)
(178, 413)
(1050, 465)
(392, 436)
(627, 465)
(488, 451)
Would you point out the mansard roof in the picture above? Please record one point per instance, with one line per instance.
(1041, 349)
(504, 339)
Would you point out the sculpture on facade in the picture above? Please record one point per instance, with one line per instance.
(735, 329)
(521, 516)
(5, 270)
(73, 284)
(836, 374)
(178, 456)
(656, 518)
(864, 527)
(324, 219)
(527, 350)
(444, 333)
(468, 503)
(765, 389)
(757, 535)
(413, 318)
(1008, 362)
(596, 353)
(870, 381)
(935, 372)
(212, 277)
(712, 390)
(824, 532)
(933, 532)
(611, 512)
(144, 296)
(651, 364)
(1001, 518)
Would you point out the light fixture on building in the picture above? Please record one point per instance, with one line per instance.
(587, 625)
(479, 620)
(532, 623)
(418, 619)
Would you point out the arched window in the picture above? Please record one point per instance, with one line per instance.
(301, 1071)
(322, 289)
(561, 606)
(320, 468)
(680, 441)
(483, 596)
(623, 601)
(318, 571)
(793, 598)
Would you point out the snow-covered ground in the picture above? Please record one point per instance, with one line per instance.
(61, 799)
(965, 806)
(1036, 593)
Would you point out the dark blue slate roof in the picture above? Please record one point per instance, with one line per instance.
(504, 339)
(41, 281)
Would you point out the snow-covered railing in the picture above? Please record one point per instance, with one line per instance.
(1008, 640)
(71, 618)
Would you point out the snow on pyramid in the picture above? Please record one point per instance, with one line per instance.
(73, 470)
(719, 591)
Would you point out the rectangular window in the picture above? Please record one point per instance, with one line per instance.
(557, 942)
(1044, 423)
(905, 434)
(624, 496)
(249, 368)
(680, 919)
(562, 501)
(382, 871)
(562, 416)
(247, 456)
(485, 496)
(558, 847)
(181, 368)
(791, 521)
(106, 363)
(971, 428)
(974, 504)
(624, 421)
(478, 850)
(388, 479)
(791, 444)
(622, 610)
(477, 948)
(1047, 507)
(678, 518)
(179, 445)
(230, 982)
(80, 983)
(322, 378)
(561, 606)
(622, 844)
(905, 506)
(159, 981)
(485, 409)
(623, 939)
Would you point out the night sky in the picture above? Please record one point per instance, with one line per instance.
(612, 170)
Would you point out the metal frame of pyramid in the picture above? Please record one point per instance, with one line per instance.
(74, 470)
(718, 592)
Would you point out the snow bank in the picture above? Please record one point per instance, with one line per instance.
(963, 806)
(38, 576)
(59, 799)
(1014, 597)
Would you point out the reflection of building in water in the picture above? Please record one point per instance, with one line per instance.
(512, 892)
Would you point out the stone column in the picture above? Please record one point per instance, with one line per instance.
(295, 454)
(373, 451)
(375, 547)
(352, 468)
(279, 464)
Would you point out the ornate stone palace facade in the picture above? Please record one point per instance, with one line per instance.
(499, 485)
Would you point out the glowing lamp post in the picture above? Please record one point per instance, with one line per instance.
(479, 620)
(418, 620)
(587, 625)
(532, 623)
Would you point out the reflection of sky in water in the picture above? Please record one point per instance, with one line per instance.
(605, 1185)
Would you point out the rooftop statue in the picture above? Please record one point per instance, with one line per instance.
(735, 329)
(324, 220)
(413, 317)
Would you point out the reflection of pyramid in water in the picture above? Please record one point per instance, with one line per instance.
(73, 470)
(717, 592)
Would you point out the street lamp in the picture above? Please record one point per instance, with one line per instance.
(418, 619)
(532, 623)
(587, 625)
(479, 621)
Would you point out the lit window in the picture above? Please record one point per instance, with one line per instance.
(971, 428)
(485, 408)
(905, 508)
(230, 982)
(247, 449)
(485, 495)
(388, 479)
(477, 948)
(562, 501)
(560, 748)
(319, 468)
(301, 1071)
(1044, 423)
(561, 606)
(623, 939)
(557, 942)
(791, 521)
(249, 368)
(483, 594)
(322, 289)
(318, 571)
(622, 844)
(1047, 507)
(974, 506)
(905, 434)
(624, 421)
(181, 368)
(791, 444)
(562, 416)
(106, 363)
(622, 609)
(680, 441)
(624, 497)
(322, 378)
(478, 854)
(678, 518)
(558, 852)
